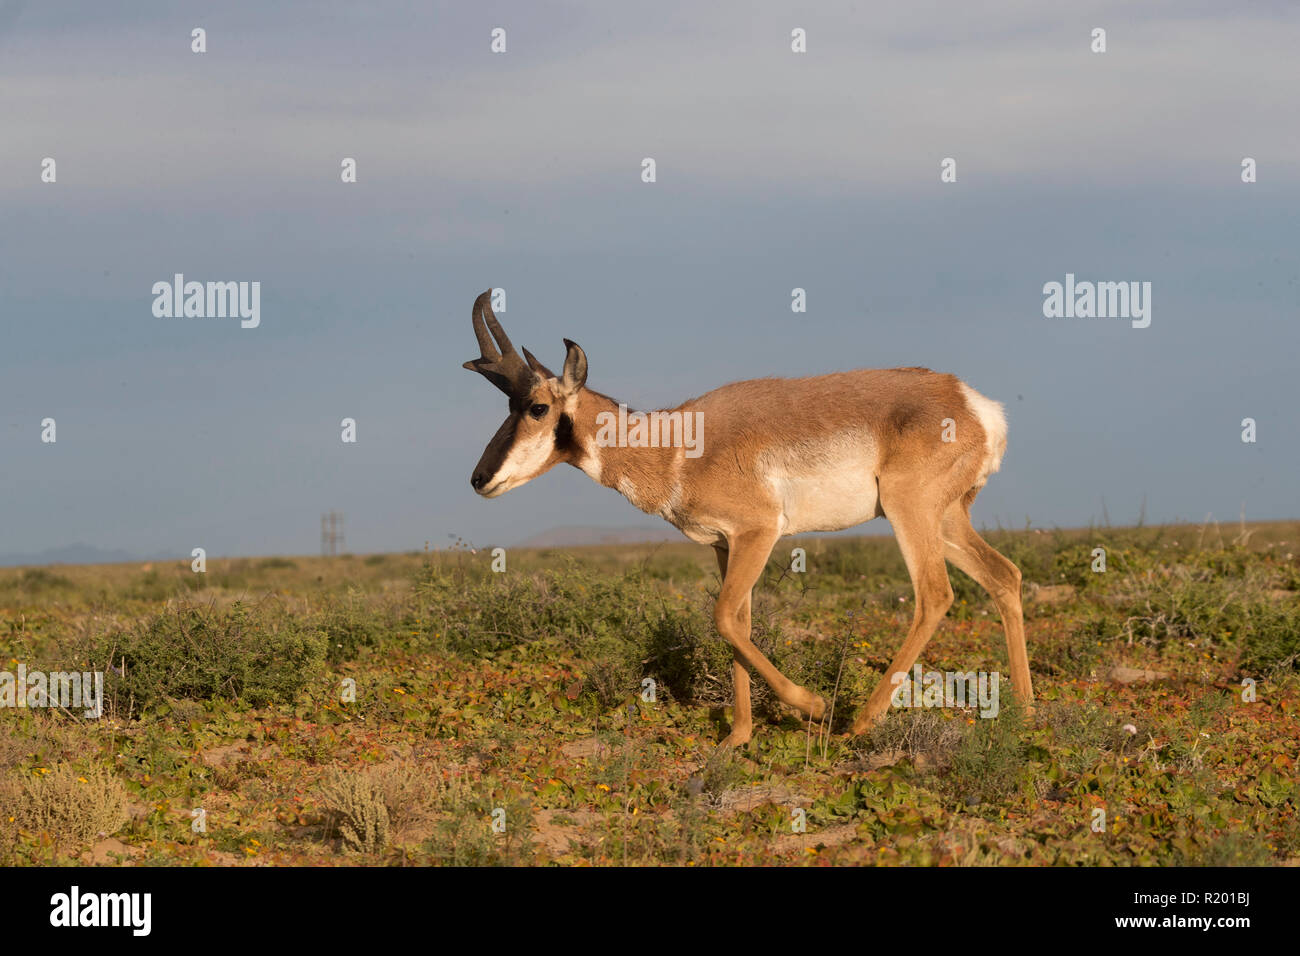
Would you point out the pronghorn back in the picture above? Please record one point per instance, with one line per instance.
(817, 445)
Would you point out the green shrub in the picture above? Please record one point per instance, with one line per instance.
(150, 587)
(1081, 732)
(866, 564)
(480, 613)
(1078, 652)
(31, 584)
(276, 564)
(678, 648)
(988, 762)
(350, 626)
(1185, 602)
(1272, 637)
(194, 651)
(41, 581)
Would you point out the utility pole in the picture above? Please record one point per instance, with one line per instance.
(331, 533)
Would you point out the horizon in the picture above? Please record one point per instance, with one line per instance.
(648, 542)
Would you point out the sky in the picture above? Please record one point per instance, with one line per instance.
(522, 170)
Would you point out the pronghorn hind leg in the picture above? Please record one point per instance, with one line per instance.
(1000, 578)
(916, 526)
(742, 719)
(746, 557)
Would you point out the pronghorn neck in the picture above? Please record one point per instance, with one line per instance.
(649, 477)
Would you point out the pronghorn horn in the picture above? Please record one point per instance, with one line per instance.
(537, 366)
(501, 366)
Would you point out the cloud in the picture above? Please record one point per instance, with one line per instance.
(714, 94)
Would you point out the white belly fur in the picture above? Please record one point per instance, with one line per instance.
(838, 493)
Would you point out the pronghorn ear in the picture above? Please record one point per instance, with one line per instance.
(537, 366)
(575, 367)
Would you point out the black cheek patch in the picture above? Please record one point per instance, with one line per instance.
(564, 434)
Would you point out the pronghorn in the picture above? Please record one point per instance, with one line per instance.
(780, 457)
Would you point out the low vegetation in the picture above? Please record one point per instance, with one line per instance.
(422, 709)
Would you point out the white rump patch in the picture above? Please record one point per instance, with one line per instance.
(993, 420)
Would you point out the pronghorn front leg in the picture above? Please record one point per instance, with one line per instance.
(743, 564)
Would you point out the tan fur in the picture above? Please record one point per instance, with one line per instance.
(785, 456)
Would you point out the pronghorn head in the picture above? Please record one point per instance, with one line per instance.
(539, 432)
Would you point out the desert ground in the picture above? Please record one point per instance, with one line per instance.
(424, 709)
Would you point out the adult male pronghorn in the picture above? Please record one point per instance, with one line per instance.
(779, 457)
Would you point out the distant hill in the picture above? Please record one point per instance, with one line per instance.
(570, 536)
(71, 554)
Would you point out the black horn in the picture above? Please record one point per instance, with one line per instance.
(499, 363)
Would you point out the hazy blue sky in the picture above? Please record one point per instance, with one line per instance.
(522, 170)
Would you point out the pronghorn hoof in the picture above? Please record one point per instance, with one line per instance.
(864, 722)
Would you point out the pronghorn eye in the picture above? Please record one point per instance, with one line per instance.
(538, 410)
